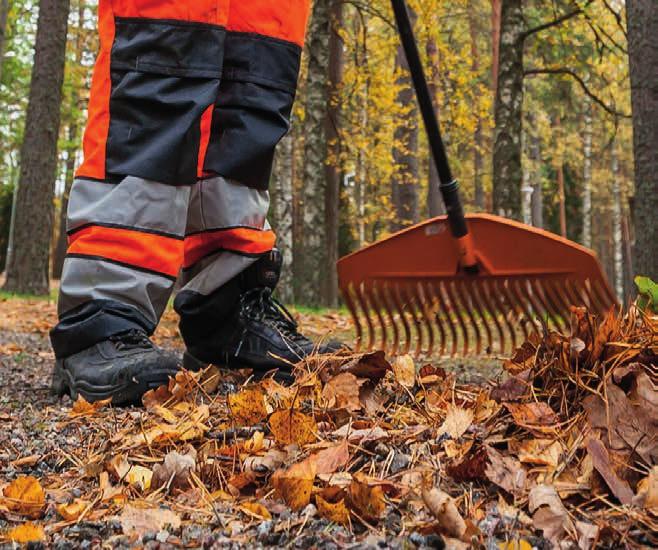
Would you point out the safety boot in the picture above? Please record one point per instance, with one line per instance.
(259, 333)
(123, 367)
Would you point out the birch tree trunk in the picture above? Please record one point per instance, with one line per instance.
(478, 137)
(27, 272)
(534, 160)
(282, 214)
(617, 240)
(643, 52)
(587, 174)
(4, 12)
(507, 173)
(308, 277)
(332, 165)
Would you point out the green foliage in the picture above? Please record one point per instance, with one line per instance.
(6, 198)
(648, 299)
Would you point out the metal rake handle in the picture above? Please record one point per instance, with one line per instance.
(448, 186)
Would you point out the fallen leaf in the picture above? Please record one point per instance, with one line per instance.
(342, 392)
(587, 534)
(140, 477)
(535, 413)
(248, 406)
(175, 470)
(601, 461)
(512, 389)
(363, 435)
(25, 533)
(549, 514)
(506, 472)
(336, 512)
(405, 371)
(520, 544)
(157, 396)
(544, 452)
(443, 508)
(210, 379)
(457, 421)
(25, 496)
(83, 408)
(365, 500)
(265, 464)
(291, 426)
(144, 520)
(256, 509)
(295, 484)
(647, 492)
(332, 458)
(373, 366)
(73, 510)
(471, 468)
(338, 479)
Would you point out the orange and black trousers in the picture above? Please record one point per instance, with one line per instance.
(188, 101)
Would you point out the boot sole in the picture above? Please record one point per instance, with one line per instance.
(127, 394)
(193, 364)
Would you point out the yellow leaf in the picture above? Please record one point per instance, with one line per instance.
(25, 496)
(521, 544)
(336, 512)
(83, 408)
(27, 532)
(457, 421)
(256, 509)
(139, 476)
(73, 510)
(405, 371)
(295, 484)
(368, 502)
(290, 426)
(248, 406)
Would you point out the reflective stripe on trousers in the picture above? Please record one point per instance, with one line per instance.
(188, 102)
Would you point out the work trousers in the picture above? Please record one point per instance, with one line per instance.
(188, 101)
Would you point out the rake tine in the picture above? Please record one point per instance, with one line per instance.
(594, 304)
(460, 318)
(398, 303)
(551, 313)
(491, 308)
(434, 291)
(385, 295)
(373, 298)
(518, 292)
(348, 293)
(570, 295)
(560, 297)
(502, 309)
(423, 299)
(469, 312)
(445, 310)
(513, 304)
(608, 299)
(476, 293)
(413, 305)
(558, 312)
(540, 315)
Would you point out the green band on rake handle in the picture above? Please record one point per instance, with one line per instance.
(448, 187)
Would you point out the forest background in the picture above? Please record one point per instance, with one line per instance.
(534, 97)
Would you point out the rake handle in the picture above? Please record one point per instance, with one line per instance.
(448, 186)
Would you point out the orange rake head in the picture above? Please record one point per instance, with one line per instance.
(407, 293)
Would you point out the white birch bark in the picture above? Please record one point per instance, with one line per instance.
(587, 175)
(617, 241)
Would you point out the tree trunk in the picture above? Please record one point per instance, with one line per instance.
(507, 173)
(308, 276)
(534, 160)
(332, 166)
(587, 175)
(361, 175)
(282, 214)
(28, 268)
(4, 12)
(405, 150)
(617, 240)
(478, 138)
(435, 206)
(495, 42)
(643, 52)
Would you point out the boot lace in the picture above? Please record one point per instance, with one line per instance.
(131, 339)
(258, 304)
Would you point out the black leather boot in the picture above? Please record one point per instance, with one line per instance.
(259, 333)
(123, 367)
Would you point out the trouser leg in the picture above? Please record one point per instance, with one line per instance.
(155, 82)
(227, 229)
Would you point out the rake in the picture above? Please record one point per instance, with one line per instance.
(463, 284)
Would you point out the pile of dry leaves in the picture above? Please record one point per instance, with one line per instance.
(563, 450)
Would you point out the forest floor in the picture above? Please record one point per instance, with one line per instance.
(361, 452)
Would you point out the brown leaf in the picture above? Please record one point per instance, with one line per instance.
(443, 508)
(362, 435)
(457, 421)
(157, 396)
(471, 468)
(373, 366)
(342, 392)
(83, 408)
(545, 452)
(248, 406)
(647, 492)
(144, 520)
(405, 371)
(532, 414)
(332, 458)
(175, 470)
(550, 515)
(295, 484)
(291, 426)
(26, 533)
(506, 472)
(25, 496)
(267, 463)
(366, 501)
(336, 512)
(73, 510)
(256, 509)
(601, 462)
(514, 388)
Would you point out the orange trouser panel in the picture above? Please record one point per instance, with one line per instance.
(241, 240)
(282, 19)
(147, 251)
